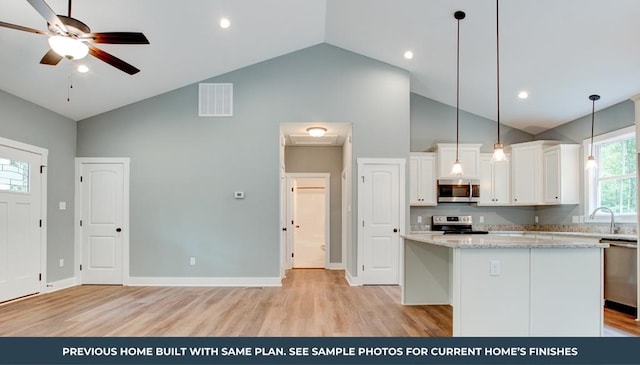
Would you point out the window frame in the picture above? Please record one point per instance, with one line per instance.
(590, 196)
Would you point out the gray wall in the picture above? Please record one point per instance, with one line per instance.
(618, 116)
(434, 122)
(323, 159)
(26, 122)
(184, 169)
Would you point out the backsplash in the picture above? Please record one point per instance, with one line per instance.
(625, 229)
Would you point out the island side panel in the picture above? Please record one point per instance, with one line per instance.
(490, 302)
(427, 274)
(566, 292)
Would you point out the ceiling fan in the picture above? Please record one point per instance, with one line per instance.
(71, 38)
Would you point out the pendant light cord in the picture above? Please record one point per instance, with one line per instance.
(498, 68)
(458, 90)
(593, 109)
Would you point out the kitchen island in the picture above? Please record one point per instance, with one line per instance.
(508, 286)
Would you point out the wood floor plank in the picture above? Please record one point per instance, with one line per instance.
(310, 302)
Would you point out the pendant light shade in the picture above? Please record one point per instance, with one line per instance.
(456, 170)
(498, 148)
(591, 160)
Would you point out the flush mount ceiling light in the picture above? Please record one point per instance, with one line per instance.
(68, 47)
(591, 160)
(83, 69)
(523, 95)
(316, 131)
(408, 55)
(498, 148)
(225, 23)
(456, 170)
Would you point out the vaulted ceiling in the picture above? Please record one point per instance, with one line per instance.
(560, 51)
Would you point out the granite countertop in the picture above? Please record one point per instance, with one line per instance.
(629, 237)
(499, 241)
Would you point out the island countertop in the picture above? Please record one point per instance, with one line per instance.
(500, 241)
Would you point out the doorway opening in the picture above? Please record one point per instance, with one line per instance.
(328, 158)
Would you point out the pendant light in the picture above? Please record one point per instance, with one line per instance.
(498, 148)
(591, 160)
(456, 170)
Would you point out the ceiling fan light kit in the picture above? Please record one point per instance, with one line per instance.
(68, 47)
(72, 39)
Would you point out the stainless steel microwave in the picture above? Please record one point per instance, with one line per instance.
(458, 190)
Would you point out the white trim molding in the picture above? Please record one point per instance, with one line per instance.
(204, 281)
(61, 284)
(352, 280)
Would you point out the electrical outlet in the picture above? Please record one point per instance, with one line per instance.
(61, 263)
(192, 261)
(536, 219)
(494, 268)
(481, 219)
(580, 219)
(419, 219)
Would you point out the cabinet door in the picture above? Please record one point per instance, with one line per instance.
(414, 180)
(486, 181)
(501, 186)
(428, 180)
(551, 176)
(524, 175)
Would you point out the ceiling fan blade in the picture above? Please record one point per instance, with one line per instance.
(51, 58)
(48, 14)
(20, 27)
(112, 60)
(116, 38)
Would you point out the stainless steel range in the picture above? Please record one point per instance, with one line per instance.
(462, 224)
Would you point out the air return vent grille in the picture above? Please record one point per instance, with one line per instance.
(215, 100)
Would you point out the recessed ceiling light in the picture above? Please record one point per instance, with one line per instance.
(83, 69)
(225, 23)
(523, 95)
(408, 55)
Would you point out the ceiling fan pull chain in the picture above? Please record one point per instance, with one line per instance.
(70, 87)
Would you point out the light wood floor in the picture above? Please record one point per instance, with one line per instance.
(310, 303)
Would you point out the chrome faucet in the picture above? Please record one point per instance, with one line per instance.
(612, 226)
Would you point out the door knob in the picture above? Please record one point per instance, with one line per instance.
(118, 229)
(395, 230)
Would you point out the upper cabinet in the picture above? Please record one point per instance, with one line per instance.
(422, 179)
(544, 172)
(468, 154)
(494, 181)
(561, 176)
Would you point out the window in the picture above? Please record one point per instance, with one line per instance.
(613, 184)
(14, 175)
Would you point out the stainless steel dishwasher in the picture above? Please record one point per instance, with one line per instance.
(620, 267)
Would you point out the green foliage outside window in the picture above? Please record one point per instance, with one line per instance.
(617, 176)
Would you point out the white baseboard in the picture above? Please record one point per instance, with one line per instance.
(335, 266)
(204, 281)
(60, 284)
(352, 280)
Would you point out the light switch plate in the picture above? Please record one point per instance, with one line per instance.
(62, 205)
(494, 269)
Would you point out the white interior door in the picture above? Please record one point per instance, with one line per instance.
(381, 201)
(20, 225)
(103, 220)
(309, 238)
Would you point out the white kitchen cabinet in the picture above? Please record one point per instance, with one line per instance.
(468, 154)
(561, 176)
(527, 172)
(495, 188)
(422, 180)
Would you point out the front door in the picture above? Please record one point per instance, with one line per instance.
(102, 217)
(381, 202)
(20, 224)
